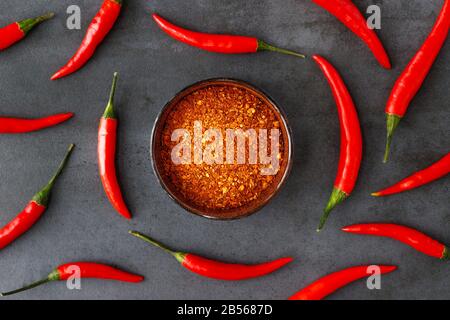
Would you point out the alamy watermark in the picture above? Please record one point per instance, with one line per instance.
(73, 282)
(73, 21)
(374, 20)
(212, 147)
(374, 280)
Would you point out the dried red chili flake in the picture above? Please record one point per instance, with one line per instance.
(224, 180)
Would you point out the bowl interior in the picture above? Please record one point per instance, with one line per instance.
(172, 190)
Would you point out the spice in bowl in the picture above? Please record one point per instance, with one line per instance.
(221, 148)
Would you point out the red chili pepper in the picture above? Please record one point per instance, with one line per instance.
(86, 270)
(219, 43)
(18, 125)
(107, 139)
(100, 26)
(346, 12)
(433, 172)
(409, 236)
(16, 31)
(351, 139)
(325, 286)
(215, 269)
(33, 211)
(412, 78)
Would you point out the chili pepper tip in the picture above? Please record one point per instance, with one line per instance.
(375, 194)
(390, 268)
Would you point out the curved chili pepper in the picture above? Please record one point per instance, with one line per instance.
(347, 13)
(215, 269)
(86, 270)
(219, 43)
(409, 236)
(412, 78)
(16, 31)
(33, 211)
(18, 125)
(427, 175)
(325, 286)
(107, 139)
(99, 28)
(351, 139)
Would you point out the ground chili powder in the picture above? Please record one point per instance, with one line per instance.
(218, 189)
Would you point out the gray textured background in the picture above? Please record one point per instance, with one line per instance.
(81, 225)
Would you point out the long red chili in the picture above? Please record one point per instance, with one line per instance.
(346, 12)
(409, 236)
(412, 78)
(219, 43)
(325, 286)
(100, 26)
(33, 211)
(19, 125)
(351, 139)
(215, 269)
(107, 139)
(16, 31)
(435, 171)
(86, 270)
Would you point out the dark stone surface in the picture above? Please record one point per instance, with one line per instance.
(81, 225)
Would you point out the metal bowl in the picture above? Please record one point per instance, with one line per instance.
(220, 214)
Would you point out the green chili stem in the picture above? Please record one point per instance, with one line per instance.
(54, 276)
(180, 256)
(337, 196)
(42, 197)
(263, 46)
(445, 254)
(392, 122)
(109, 111)
(31, 286)
(28, 24)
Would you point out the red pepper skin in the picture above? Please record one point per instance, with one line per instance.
(97, 271)
(9, 35)
(33, 211)
(107, 140)
(351, 138)
(87, 270)
(409, 236)
(99, 28)
(21, 223)
(219, 43)
(228, 271)
(412, 78)
(347, 13)
(325, 286)
(17, 125)
(16, 31)
(420, 178)
(216, 269)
